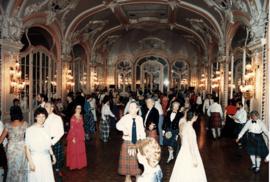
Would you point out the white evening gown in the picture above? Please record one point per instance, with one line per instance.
(184, 170)
(39, 144)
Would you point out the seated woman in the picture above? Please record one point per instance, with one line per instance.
(149, 156)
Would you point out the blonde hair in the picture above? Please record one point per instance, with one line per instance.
(150, 149)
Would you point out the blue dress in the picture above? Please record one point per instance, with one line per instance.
(89, 122)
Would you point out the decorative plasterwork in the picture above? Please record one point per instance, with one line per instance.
(12, 28)
(88, 32)
(258, 21)
(151, 43)
(54, 8)
(204, 29)
(223, 7)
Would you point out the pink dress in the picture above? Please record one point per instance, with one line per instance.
(76, 153)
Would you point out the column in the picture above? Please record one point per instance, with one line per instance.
(232, 76)
(244, 72)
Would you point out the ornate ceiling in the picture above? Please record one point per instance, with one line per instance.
(200, 23)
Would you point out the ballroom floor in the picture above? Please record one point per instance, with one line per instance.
(223, 162)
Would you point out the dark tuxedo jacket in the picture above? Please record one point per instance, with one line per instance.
(168, 124)
(153, 117)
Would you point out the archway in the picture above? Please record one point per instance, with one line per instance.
(152, 74)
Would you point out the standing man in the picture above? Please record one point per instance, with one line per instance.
(240, 118)
(207, 103)
(55, 129)
(151, 119)
(215, 113)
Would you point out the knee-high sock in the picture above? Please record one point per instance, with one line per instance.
(170, 153)
(219, 132)
(214, 132)
(253, 160)
(258, 162)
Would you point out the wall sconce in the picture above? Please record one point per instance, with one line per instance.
(16, 82)
(70, 80)
(216, 79)
(247, 88)
(202, 84)
(83, 80)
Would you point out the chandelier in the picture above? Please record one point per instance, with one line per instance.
(247, 88)
(17, 84)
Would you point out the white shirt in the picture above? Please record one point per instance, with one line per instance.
(54, 127)
(256, 128)
(1, 130)
(125, 125)
(199, 100)
(151, 175)
(93, 103)
(172, 116)
(159, 107)
(215, 107)
(207, 103)
(241, 115)
(146, 116)
(106, 111)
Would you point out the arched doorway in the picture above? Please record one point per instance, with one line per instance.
(152, 74)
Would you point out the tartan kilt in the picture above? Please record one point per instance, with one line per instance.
(172, 142)
(152, 134)
(104, 129)
(58, 151)
(128, 165)
(256, 145)
(215, 120)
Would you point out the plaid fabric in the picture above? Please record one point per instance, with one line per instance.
(215, 120)
(128, 165)
(89, 123)
(59, 155)
(256, 145)
(152, 134)
(104, 129)
(172, 142)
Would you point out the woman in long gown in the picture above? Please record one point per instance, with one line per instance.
(76, 153)
(38, 150)
(17, 163)
(188, 166)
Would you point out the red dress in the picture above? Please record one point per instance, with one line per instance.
(76, 153)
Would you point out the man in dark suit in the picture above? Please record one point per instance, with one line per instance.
(151, 119)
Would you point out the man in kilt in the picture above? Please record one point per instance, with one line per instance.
(215, 113)
(132, 127)
(55, 129)
(105, 121)
(256, 147)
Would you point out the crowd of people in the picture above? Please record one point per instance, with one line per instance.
(34, 150)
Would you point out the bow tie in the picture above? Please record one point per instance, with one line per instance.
(254, 121)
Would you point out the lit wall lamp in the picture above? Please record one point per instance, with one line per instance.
(70, 80)
(248, 88)
(83, 80)
(202, 84)
(17, 84)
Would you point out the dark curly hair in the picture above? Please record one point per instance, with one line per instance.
(16, 113)
(39, 111)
